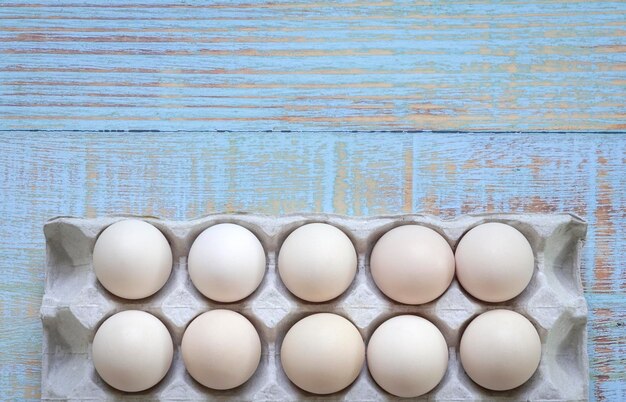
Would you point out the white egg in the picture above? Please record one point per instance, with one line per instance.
(132, 259)
(407, 356)
(412, 264)
(132, 351)
(226, 262)
(500, 350)
(317, 262)
(221, 349)
(322, 353)
(494, 262)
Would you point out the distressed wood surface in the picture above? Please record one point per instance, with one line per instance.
(367, 65)
(474, 65)
(184, 175)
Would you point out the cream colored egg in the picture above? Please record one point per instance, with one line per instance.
(226, 262)
(221, 349)
(407, 356)
(322, 353)
(494, 262)
(132, 259)
(500, 350)
(317, 262)
(412, 264)
(132, 351)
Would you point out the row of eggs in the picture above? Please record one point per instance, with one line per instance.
(322, 353)
(317, 262)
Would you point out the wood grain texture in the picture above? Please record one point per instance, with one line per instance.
(367, 65)
(184, 175)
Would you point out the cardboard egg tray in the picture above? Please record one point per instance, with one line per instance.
(75, 304)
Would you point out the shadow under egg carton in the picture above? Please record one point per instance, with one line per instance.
(75, 304)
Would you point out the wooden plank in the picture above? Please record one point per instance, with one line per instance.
(183, 175)
(367, 65)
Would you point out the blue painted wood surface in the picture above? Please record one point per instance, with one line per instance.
(310, 67)
(368, 65)
(184, 175)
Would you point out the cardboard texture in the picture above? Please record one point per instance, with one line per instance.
(75, 304)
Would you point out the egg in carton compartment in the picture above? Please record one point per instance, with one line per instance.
(75, 304)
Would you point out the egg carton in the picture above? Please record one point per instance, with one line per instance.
(75, 304)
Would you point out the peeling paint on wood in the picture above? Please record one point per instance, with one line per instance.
(184, 175)
(318, 68)
(367, 65)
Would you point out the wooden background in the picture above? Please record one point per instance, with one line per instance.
(379, 65)
(348, 92)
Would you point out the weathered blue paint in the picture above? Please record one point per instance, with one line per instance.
(340, 65)
(183, 175)
(477, 65)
